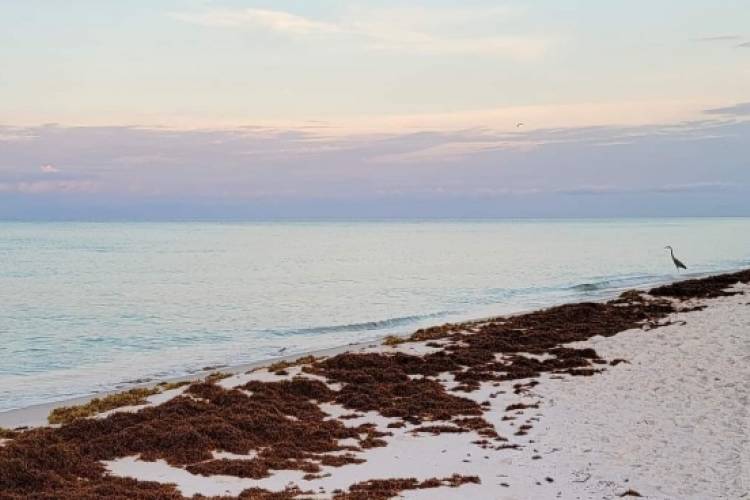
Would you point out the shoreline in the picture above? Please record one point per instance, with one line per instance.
(36, 415)
(642, 395)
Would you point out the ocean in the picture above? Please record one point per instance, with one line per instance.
(89, 307)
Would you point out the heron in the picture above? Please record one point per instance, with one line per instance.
(677, 263)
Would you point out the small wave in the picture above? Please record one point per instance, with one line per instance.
(612, 283)
(357, 327)
(492, 295)
(590, 287)
(597, 283)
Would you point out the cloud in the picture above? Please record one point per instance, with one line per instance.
(411, 29)
(697, 187)
(447, 192)
(47, 187)
(273, 20)
(741, 109)
(14, 134)
(717, 38)
(724, 38)
(694, 187)
(592, 190)
(49, 169)
(45, 179)
(296, 171)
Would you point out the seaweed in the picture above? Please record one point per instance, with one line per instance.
(168, 386)
(67, 414)
(630, 493)
(376, 489)
(7, 433)
(393, 340)
(703, 288)
(283, 365)
(283, 424)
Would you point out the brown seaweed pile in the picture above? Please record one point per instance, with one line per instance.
(703, 288)
(67, 414)
(495, 351)
(280, 425)
(376, 489)
(281, 419)
(382, 383)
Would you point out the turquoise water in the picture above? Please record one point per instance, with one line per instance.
(94, 306)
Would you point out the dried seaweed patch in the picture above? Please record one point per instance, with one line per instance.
(67, 414)
(283, 365)
(376, 489)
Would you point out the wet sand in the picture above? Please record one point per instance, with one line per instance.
(645, 394)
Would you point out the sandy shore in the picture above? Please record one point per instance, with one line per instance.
(643, 395)
(36, 415)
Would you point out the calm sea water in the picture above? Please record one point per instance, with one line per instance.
(86, 307)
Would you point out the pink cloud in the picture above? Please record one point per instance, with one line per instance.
(41, 187)
(49, 169)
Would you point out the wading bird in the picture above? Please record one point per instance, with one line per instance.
(677, 263)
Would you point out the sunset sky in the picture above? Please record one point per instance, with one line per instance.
(240, 108)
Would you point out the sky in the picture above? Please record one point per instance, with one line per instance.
(163, 109)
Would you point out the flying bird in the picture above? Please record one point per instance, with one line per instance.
(677, 263)
(519, 124)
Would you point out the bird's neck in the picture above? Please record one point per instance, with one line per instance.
(671, 251)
